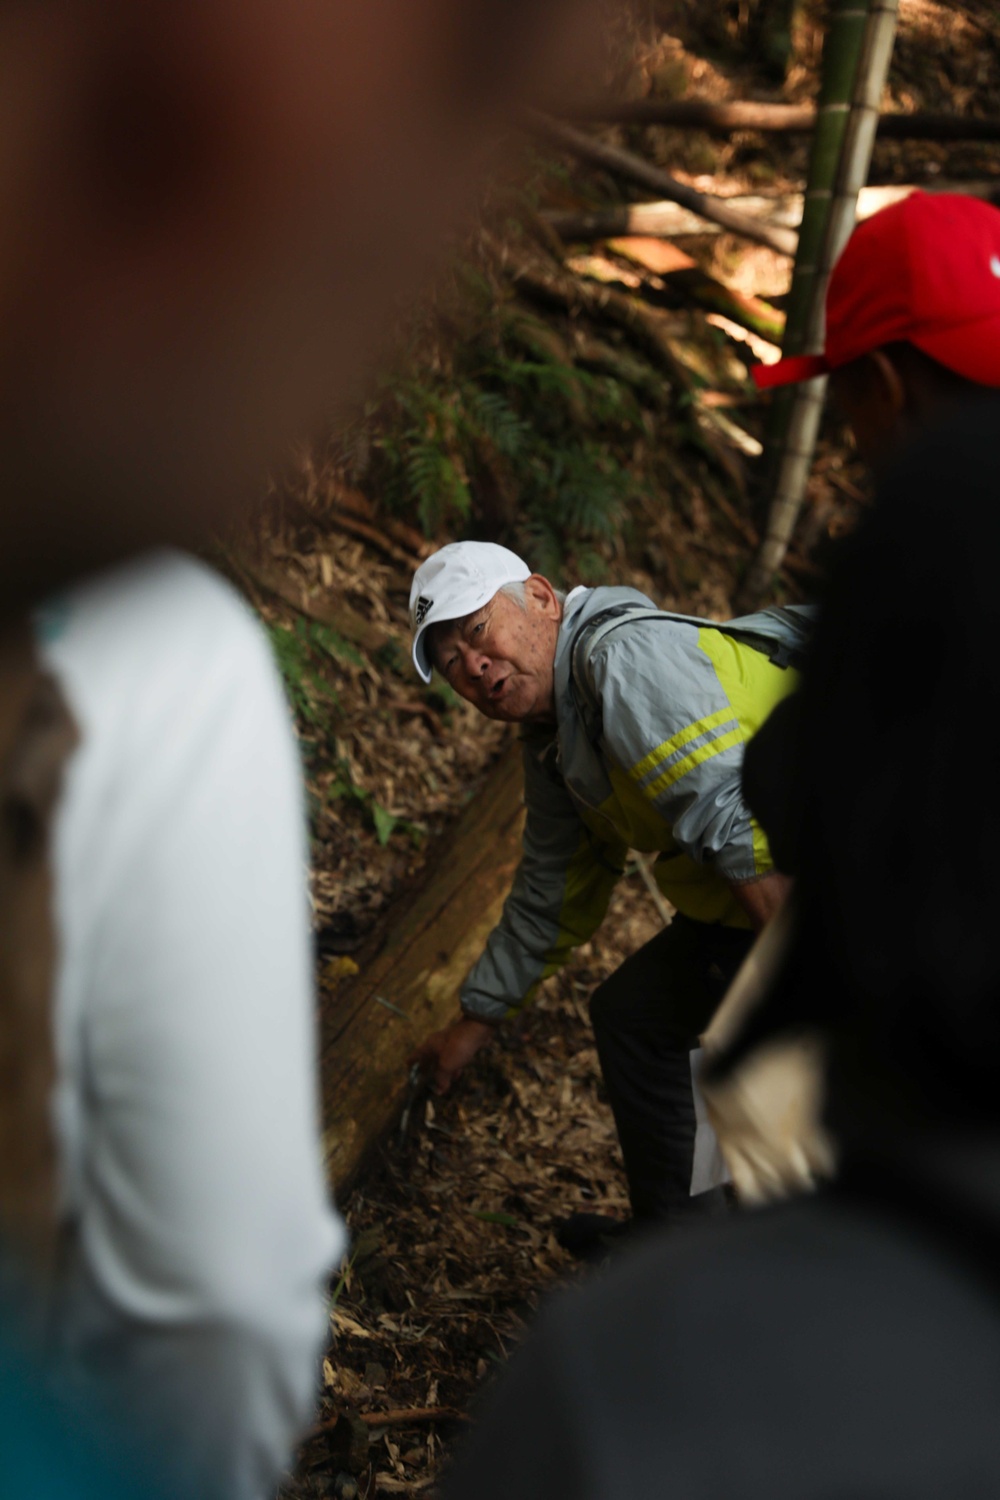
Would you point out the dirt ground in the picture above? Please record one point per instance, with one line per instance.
(452, 1229)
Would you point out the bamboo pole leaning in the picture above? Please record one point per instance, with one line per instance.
(855, 64)
(626, 164)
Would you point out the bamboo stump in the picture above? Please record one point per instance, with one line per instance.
(414, 965)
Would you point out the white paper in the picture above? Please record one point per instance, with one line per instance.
(708, 1166)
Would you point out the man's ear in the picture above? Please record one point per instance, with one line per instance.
(888, 390)
(542, 597)
(874, 398)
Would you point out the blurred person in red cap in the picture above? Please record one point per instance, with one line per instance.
(912, 318)
(912, 332)
(211, 212)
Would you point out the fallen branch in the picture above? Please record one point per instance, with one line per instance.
(680, 273)
(401, 1417)
(668, 220)
(740, 524)
(645, 325)
(355, 504)
(723, 118)
(369, 635)
(626, 164)
(411, 708)
(644, 870)
(593, 354)
(343, 521)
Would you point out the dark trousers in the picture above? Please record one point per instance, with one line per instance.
(647, 1019)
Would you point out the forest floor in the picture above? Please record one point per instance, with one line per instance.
(452, 1228)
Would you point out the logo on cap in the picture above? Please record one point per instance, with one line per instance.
(424, 606)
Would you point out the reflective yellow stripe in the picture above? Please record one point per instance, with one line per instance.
(763, 863)
(696, 758)
(683, 737)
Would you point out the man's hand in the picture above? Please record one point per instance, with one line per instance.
(447, 1052)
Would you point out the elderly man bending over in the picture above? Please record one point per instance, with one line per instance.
(634, 725)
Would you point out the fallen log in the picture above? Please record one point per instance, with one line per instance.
(356, 504)
(722, 118)
(668, 220)
(646, 326)
(681, 273)
(409, 974)
(634, 168)
(353, 525)
(262, 576)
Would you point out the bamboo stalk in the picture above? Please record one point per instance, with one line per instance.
(627, 164)
(726, 117)
(855, 63)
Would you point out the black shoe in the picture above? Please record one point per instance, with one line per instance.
(592, 1236)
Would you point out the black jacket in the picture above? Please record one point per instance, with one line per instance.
(840, 1346)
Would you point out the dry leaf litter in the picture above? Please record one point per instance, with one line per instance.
(453, 1241)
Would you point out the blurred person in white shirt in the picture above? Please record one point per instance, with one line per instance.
(211, 212)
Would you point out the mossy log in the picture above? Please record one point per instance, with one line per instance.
(409, 973)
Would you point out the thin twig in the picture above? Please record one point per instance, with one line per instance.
(646, 876)
(404, 1416)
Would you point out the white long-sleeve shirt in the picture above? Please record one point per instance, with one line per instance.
(199, 1230)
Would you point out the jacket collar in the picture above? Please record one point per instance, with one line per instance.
(581, 606)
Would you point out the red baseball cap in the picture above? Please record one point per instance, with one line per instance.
(927, 270)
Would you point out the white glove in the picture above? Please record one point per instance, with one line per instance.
(766, 1114)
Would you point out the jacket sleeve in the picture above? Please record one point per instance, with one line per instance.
(558, 900)
(670, 724)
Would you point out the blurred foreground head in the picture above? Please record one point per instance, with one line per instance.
(211, 212)
(912, 319)
(898, 825)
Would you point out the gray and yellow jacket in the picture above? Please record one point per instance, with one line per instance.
(653, 711)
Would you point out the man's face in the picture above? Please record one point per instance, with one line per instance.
(501, 658)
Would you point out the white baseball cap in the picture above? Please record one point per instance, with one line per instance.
(455, 582)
